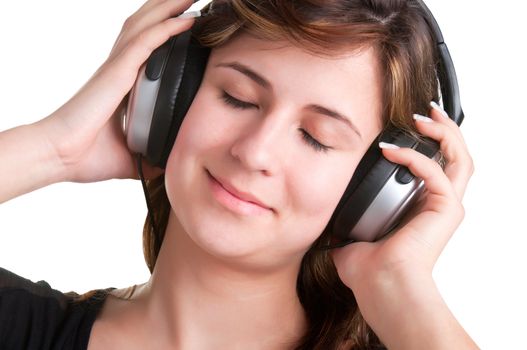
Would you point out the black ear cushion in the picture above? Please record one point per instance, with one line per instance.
(371, 175)
(179, 84)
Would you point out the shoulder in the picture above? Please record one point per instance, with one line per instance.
(22, 300)
(34, 315)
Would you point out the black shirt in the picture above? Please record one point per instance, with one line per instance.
(35, 316)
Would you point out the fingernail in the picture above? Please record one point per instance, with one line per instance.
(438, 108)
(422, 118)
(190, 14)
(387, 145)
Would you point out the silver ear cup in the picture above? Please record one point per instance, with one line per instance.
(386, 210)
(138, 118)
(380, 192)
(389, 207)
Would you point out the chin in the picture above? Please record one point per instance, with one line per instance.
(228, 239)
(233, 245)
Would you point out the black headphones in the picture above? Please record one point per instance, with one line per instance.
(379, 193)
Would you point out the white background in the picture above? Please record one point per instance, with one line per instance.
(81, 237)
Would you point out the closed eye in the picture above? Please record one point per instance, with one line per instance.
(234, 102)
(310, 140)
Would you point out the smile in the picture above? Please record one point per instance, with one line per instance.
(236, 201)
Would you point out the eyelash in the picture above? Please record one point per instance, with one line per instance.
(313, 142)
(234, 102)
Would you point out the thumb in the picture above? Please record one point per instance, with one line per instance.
(349, 259)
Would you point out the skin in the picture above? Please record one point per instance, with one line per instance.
(238, 257)
(226, 273)
(261, 150)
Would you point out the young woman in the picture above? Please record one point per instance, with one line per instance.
(292, 97)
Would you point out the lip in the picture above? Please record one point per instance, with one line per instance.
(241, 202)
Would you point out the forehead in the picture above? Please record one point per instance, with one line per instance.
(275, 53)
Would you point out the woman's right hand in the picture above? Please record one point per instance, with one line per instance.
(85, 134)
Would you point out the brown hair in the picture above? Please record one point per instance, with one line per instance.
(399, 33)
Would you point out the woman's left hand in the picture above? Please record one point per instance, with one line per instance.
(398, 268)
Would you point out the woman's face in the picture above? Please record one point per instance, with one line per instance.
(269, 145)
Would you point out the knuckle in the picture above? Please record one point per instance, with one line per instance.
(471, 166)
(460, 210)
(455, 210)
(140, 47)
(140, 41)
(166, 27)
(129, 22)
(468, 166)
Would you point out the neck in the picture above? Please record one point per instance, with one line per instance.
(207, 302)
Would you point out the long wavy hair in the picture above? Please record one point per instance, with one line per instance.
(398, 32)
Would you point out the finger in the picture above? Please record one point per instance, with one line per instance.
(440, 211)
(110, 84)
(349, 261)
(436, 182)
(439, 115)
(430, 229)
(149, 15)
(459, 167)
(158, 12)
(427, 227)
(173, 7)
(148, 4)
(140, 48)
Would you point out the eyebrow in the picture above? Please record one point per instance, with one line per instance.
(258, 79)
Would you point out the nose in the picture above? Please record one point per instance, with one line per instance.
(257, 148)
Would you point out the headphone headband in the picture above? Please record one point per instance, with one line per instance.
(445, 70)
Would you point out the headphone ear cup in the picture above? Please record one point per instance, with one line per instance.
(378, 193)
(180, 82)
(162, 94)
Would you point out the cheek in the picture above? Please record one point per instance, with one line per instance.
(201, 130)
(182, 164)
(197, 131)
(326, 189)
(315, 194)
